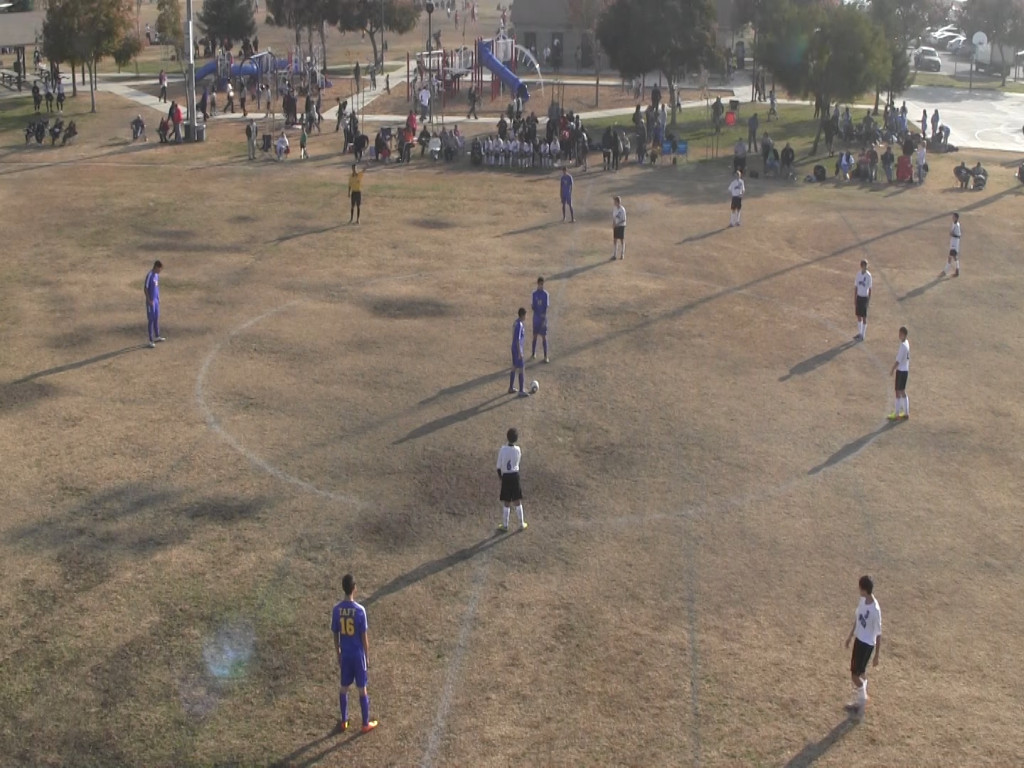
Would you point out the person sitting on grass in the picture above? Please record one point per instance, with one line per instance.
(787, 159)
(281, 146)
(70, 133)
(424, 140)
(139, 129)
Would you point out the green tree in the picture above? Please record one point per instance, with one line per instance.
(85, 31)
(170, 26)
(227, 19)
(671, 36)
(584, 15)
(397, 17)
(126, 50)
(835, 53)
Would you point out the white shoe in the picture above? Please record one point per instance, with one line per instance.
(151, 345)
(159, 338)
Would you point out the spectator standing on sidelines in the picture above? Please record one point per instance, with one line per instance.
(162, 79)
(861, 297)
(565, 188)
(352, 648)
(752, 124)
(151, 287)
(251, 132)
(867, 637)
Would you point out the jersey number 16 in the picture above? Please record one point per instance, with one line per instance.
(347, 626)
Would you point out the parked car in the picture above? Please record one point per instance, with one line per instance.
(942, 33)
(928, 59)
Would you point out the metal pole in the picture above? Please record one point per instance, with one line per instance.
(382, 37)
(190, 70)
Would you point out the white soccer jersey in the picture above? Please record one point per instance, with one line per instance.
(737, 188)
(863, 283)
(903, 356)
(508, 459)
(869, 621)
(954, 237)
(619, 216)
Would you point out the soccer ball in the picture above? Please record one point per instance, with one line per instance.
(534, 386)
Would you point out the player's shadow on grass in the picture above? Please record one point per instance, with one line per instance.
(570, 273)
(527, 230)
(77, 364)
(702, 236)
(304, 233)
(815, 750)
(919, 290)
(813, 363)
(466, 385)
(433, 567)
(300, 759)
(852, 448)
(454, 418)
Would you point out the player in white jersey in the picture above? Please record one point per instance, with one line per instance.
(618, 228)
(545, 158)
(513, 152)
(901, 409)
(736, 191)
(954, 248)
(509, 457)
(861, 297)
(867, 629)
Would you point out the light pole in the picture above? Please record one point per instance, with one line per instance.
(382, 37)
(190, 69)
(430, 51)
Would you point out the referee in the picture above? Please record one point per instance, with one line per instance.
(508, 470)
(861, 297)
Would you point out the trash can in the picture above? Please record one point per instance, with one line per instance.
(201, 132)
(734, 105)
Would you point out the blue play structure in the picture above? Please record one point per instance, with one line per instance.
(260, 64)
(485, 51)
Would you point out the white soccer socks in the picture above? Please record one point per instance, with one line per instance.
(504, 516)
(519, 512)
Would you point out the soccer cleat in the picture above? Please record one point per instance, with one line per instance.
(503, 528)
(858, 337)
(523, 393)
(158, 339)
(957, 273)
(511, 390)
(533, 356)
(612, 258)
(367, 727)
(342, 726)
(892, 416)
(547, 359)
(151, 345)
(904, 416)
(524, 526)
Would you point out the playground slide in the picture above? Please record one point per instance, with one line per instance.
(506, 75)
(209, 68)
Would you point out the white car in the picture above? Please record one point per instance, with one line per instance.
(928, 59)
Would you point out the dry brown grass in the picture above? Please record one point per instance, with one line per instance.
(331, 399)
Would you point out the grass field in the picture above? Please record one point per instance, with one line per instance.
(707, 466)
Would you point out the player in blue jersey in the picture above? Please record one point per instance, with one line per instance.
(518, 356)
(348, 623)
(566, 189)
(541, 302)
(151, 287)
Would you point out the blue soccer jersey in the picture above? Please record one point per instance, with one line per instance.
(518, 338)
(152, 286)
(348, 622)
(566, 186)
(541, 300)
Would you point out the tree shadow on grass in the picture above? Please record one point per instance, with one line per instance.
(815, 750)
(432, 567)
(454, 418)
(818, 360)
(852, 448)
(78, 364)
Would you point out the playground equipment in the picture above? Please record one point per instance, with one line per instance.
(492, 55)
(258, 65)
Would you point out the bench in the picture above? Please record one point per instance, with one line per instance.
(10, 78)
(682, 148)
